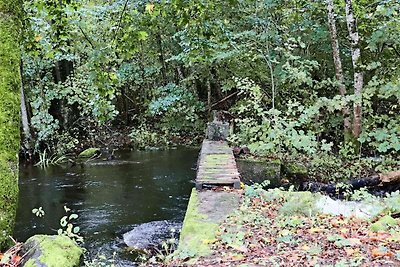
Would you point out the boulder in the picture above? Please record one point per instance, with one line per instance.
(150, 235)
(90, 152)
(51, 251)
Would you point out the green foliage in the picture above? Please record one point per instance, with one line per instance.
(154, 63)
(293, 130)
(46, 160)
(39, 212)
(66, 222)
(179, 109)
(144, 137)
(302, 203)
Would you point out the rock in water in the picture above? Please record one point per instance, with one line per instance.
(51, 251)
(150, 234)
(88, 153)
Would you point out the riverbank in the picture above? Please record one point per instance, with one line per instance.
(287, 228)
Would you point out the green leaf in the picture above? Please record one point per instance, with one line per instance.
(63, 221)
(73, 216)
(142, 35)
(76, 230)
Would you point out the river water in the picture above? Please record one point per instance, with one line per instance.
(110, 197)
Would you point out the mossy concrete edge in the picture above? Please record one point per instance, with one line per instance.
(197, 232)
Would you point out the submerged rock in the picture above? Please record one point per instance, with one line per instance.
(51, 251)
(150, 234)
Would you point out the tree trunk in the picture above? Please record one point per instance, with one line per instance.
(26, 136)
(208, 84)
(10, 82)
(161, 57)
(356, 59)
(338, 65)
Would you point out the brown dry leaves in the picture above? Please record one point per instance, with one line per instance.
(272, 240)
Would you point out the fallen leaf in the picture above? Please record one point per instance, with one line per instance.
(354, 241)
(16, 259)
(315, 230)
(344, 230)
(379, 252)
(285, 232)
(352, 251)
(305, 247)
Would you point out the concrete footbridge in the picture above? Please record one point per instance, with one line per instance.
(217, 193)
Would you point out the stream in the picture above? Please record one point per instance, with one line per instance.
(110, 197)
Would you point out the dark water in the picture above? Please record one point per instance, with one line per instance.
(110, 197)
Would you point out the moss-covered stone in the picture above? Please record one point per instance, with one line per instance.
(295, 169)
(10, 57)
(51, 251)
(90, 152)
(255, 170)
(383, 224)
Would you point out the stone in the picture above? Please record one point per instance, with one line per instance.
(217, 131)
(51, 251)
(151, 234)
(90, 152)
(257, 171)
(295, 170)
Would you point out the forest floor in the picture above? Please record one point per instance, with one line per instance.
(272, 229)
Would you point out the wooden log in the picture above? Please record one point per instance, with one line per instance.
(390, 177)
(351, 185)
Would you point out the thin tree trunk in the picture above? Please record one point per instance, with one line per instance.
(26, 137)
(57, 72)
(338, 64)
(161, 56)
(10, 58)
(208, 84)
(125, 105)
(356, 59)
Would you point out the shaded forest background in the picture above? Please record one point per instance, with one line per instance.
(286, 72)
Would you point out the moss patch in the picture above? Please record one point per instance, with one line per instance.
(212, 160)
(10, 57)
(295, 169)
(254, 170)
(197, 231)
(52, 251)
(384, 224)
(90, 152)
